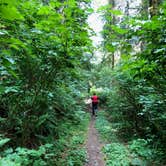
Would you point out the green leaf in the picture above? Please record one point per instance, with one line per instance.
(42, 119)
(6, 63)
(2, 89)
(116, 12)
(119, 30)
(44, 10)
(16, 43)
(10, 13)
(4, 141)
(9, 2)
(137, 162)
(11, 89)
(6, 162)
(13, 73)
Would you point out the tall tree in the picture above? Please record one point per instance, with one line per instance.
(42, 58)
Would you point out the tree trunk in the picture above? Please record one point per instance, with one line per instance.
(112, 2)
(153, 4)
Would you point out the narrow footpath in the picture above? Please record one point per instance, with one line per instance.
(94, 146)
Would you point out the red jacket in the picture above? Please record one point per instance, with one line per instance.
(95, 99)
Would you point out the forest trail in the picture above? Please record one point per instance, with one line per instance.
(94, 146)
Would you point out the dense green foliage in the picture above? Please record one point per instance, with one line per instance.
(67, 150)
(45, 51)
(43, 46)
(137, 152)
(135, 89)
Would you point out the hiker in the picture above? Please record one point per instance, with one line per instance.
(95, 101)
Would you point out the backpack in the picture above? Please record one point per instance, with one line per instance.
(94, 99)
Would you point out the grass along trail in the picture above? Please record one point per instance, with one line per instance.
(132, 152)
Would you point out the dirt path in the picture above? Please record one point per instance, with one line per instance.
(94, 146)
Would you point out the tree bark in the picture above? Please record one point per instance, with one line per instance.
(153, 4)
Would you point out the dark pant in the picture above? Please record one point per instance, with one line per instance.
(94, 107)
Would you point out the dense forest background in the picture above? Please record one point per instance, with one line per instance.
(46, 72)
(133, 73)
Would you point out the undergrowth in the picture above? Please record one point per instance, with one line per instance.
(136, 152)
(68, 150)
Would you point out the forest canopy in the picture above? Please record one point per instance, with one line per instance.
(46, 72)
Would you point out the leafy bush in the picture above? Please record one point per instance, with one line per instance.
(136, 87)
(105, 129)
(116, 155)
(23, 156)
(3, 141)
(76, 157)
(67, 150)
(42, 66)
(140, 147)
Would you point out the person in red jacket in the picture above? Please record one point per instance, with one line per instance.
(95, 101)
